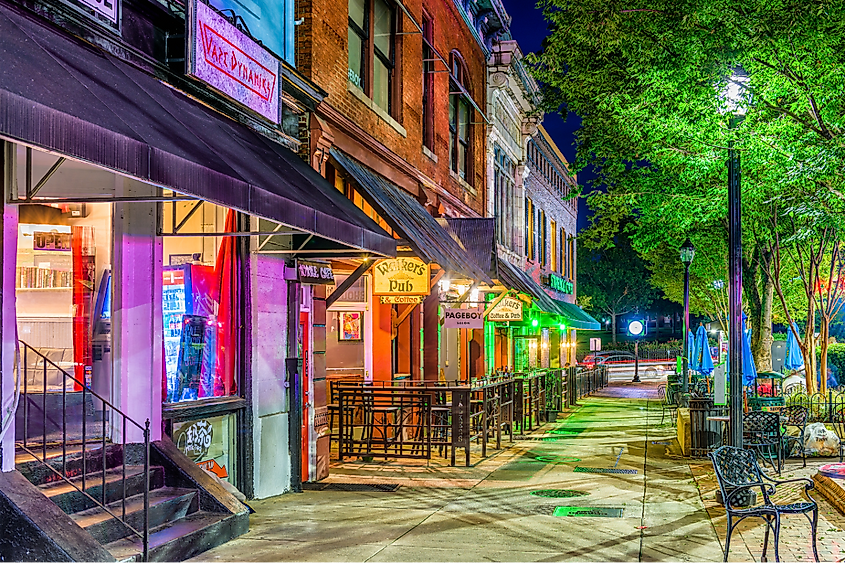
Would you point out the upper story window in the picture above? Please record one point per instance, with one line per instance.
(428, 81)
(372, 45)
(459, 114)
(504, 174)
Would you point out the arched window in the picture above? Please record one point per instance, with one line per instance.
(459, 117)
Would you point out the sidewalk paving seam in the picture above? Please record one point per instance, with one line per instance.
(645, 477)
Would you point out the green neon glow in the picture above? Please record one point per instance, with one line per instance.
(534, 322)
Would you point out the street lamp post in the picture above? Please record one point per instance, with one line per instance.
(733, 95)
(687, 254)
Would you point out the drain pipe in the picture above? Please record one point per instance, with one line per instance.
(293, 377)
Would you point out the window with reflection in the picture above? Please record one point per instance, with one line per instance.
(459, 116)
(372, 46)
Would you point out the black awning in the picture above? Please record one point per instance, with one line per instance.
(63, 95)
(477, 235)
(430, 241)
(514, 278)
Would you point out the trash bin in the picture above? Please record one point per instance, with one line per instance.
(705, 435)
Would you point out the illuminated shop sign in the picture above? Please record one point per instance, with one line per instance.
(229, 61)
(401, 276)
(401, 299)
(508, 309)
(314, 273)
(463, 318)
(560, 284)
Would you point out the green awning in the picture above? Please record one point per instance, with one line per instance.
(576, 317)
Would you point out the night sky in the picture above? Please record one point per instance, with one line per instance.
(529, 28)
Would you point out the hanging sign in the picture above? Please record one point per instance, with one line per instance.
(401, 276)
(314, 273)
(103, 11)
(229, 61)
(464, 318)
(508, 309)
(402, 299)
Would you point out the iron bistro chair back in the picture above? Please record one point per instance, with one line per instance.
(761, 431)
(797, 416)
(738, 475)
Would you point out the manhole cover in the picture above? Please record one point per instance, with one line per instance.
(605, 470)
(589, 511)
(559, 493)
(352, 487)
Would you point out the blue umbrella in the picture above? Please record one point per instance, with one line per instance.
(703, 360)
(694, 353)
(794, 360)
(749, 371)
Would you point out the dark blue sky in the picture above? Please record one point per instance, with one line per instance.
(528, 27)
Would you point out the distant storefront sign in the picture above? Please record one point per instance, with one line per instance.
(229, 61)
(560, 284)
(314, 273)
(108, 10)
(401, 276)
(464, 318)
(508, 309)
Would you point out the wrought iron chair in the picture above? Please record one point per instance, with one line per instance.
(667, 402)
(796, 415)
(761, 431)
(738, 475)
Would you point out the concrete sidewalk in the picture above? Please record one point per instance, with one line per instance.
(488, 511)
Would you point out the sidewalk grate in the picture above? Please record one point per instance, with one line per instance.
(605, 470)
(589, 511)
(559, 493)
(352, 487)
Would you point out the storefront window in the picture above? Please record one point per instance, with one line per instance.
(201, 304)
(62, 295)
(209, 442)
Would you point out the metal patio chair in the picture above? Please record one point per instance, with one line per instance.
(738, 475)
(761, 431)
(797, 416)
(667, 402)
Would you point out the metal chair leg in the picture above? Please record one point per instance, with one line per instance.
(814, 524)
(777, 537)
(728, 538)
(766, 539)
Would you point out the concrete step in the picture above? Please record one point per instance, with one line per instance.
(38, 473)
(167, 504)
(179, 540)
(71, 500)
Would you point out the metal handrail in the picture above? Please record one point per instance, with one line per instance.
(102, 503)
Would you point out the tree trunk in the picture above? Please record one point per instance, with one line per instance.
(613, 325)
(810, 348)
(764, 358)
(824, 331)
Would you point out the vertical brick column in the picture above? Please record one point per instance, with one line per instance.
(431, 343)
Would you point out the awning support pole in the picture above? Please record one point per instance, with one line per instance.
(44, 179)
(349, 281)
(187, 217)
(495, 302)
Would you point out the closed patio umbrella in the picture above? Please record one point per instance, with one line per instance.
(749, 370)
(690, 349)
(794, 359)
(703, 360)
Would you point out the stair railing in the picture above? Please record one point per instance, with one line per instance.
(30, 445)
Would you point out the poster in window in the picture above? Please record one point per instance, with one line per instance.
(351, 323)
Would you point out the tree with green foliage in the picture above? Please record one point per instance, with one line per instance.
(646, 79)
(614, 280)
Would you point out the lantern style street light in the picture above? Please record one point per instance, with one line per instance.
(687, 254)
(736, 98)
